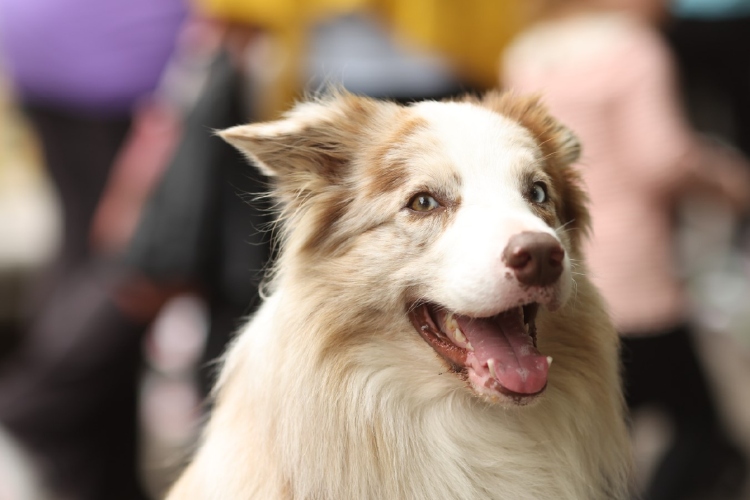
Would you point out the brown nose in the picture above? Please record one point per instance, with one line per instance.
(536, 258)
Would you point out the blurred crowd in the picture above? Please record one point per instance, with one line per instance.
(133, 240)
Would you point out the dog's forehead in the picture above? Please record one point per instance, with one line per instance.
(478, 141)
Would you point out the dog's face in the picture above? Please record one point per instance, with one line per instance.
(464, 216)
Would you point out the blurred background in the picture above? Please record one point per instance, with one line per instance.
(132, 242)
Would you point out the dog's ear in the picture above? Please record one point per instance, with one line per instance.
(567, 143)
(309, 147)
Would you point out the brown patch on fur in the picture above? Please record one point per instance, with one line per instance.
(347, 336)
(325, 221)
(385, 172)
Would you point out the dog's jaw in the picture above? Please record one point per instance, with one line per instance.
(497, 355)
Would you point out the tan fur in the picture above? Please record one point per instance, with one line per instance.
(330, 393)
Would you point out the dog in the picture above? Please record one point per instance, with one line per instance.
(428, 331)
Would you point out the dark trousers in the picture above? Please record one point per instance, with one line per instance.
(664, 371)
(78, 152)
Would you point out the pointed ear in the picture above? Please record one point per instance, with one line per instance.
(265, 144)
(311, 146)
(567, 144)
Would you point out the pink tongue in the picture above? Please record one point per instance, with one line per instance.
(519, 367)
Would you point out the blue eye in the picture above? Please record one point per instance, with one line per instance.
(423, 202)
(538, 193)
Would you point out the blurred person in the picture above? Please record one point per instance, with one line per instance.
(70, 393)
(78, 69)
(605, 71)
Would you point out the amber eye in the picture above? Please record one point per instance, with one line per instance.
(538, 193)
(423, 202)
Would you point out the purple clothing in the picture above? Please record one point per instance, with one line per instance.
(100, 55)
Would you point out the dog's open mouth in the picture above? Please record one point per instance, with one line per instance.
(498, 353)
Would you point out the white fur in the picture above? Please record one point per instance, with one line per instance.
(490, 152)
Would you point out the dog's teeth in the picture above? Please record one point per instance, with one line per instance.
(459, 335)
(491, 366)
(450, 321)
(452, 327)
(549, 361)
(469, 346)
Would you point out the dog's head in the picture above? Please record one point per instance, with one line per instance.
(464, 217)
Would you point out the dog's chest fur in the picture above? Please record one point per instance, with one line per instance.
(330, 393)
